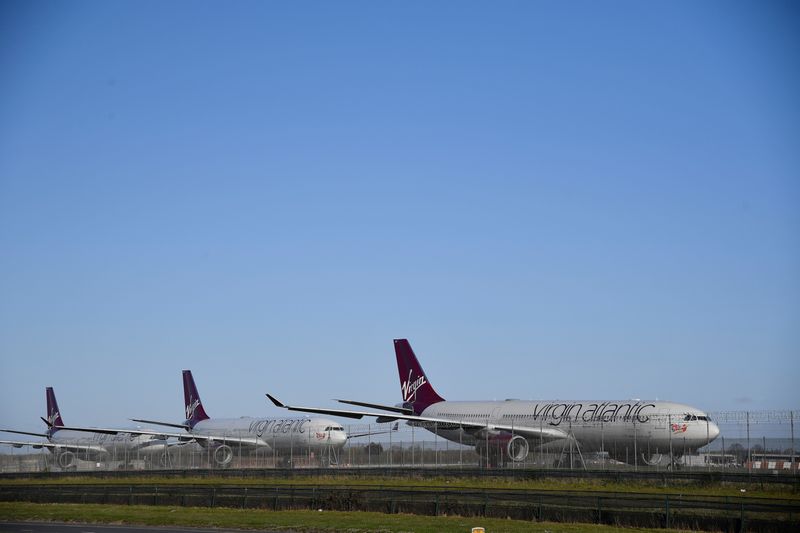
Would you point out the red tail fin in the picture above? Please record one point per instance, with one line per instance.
(191, 399)
(53, 414)
(414, 385)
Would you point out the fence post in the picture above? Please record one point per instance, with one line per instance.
(791, 426)
(635, 448)
(749, 457)
(741, 516)
(669, 431)
(599, 510)
(666, 510)
(602, 444)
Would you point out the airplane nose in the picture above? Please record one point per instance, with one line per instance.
(713, 431)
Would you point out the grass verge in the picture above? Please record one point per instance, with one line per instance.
(717, 489)
(301, 521)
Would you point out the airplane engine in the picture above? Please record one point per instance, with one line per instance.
(503, 447)
(66, 459)
(517, 449)
(223, 455)
(656, 459)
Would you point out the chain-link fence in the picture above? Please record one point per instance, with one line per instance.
(743, 440)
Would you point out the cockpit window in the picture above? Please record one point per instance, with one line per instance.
(705, 418)
(334, 428)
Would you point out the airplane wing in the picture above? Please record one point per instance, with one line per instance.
(545, 434)
(167, 424)
(24, 433)
(371, 433)
(20, 444)
(51, 446)
(222, 439)
(392, 408)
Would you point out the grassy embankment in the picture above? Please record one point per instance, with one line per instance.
(301, 521)
(689, 489)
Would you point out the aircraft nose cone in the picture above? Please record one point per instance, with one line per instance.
(713, 431)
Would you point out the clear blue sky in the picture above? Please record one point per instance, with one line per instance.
(568, 200)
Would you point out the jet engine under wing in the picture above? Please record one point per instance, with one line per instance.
(545, 434)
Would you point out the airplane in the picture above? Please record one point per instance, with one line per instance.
(503, 431)
(68, 445)
(224, 436)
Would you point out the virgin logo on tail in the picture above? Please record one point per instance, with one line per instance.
(55, 415)
(191, 408)
(409, 388)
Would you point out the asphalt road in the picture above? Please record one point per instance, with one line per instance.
(54, 527)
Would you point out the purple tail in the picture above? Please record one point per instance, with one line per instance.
(191, 399)
(53, 414)
(416, 390)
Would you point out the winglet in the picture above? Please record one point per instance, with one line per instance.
(275, 401)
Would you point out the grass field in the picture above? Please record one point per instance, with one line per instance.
(305, 521)
(717, 489)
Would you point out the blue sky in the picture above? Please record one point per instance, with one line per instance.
(550, 200)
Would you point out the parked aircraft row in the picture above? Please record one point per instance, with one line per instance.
(507, 430)
(222, 437)
(500, 430)
(67, 444)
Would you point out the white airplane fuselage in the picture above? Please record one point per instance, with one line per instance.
(508, 429)
(657, 426)
(283, 435)
(68, 445)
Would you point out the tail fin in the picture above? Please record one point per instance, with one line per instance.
(416, 390)
(53, 414)
(191, 399)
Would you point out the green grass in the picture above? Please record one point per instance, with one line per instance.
(305, 521)
(688, 489)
